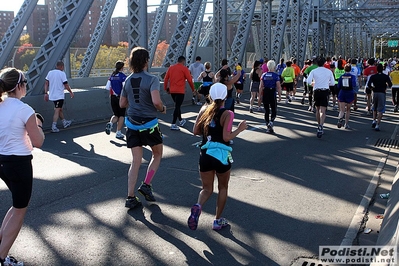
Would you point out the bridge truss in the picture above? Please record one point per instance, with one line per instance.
(281, 28)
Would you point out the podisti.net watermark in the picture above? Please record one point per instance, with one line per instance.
(357, 254)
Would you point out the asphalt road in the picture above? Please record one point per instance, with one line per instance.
(289, 193)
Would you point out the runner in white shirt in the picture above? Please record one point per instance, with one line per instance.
(56, 83)
(321, 78)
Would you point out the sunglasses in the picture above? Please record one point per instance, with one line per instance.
(24, 81)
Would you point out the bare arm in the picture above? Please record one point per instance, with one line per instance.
(68, 88)
(227, 120)
(35, 133)
(196, 130)
(156, 100)
(123, 103)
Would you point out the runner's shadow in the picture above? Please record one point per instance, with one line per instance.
(117, 144)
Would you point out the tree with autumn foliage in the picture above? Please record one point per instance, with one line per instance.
(160, 53)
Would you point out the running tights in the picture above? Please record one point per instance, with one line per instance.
(270, 104)
(178, 99)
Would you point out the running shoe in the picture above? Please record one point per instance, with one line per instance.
(55, 129)
(395, 109)
(67, 123)
(310, 109)
(293, 98)
(373, 124)
(182, 122)
(146, 191)
(286, 100)
(270, 127)
(108, 128)
(319, 131)
(384, 196)
(340, 122)
(289, 99)
(132, 202)
(303, 101)
(199, 103)
(238, 101)
(347, 126)
(194, 217)
(219, 223)
(377, 128)
(193, 100)
(11, 261)
(355, 108)
(174, 127)
(119, 135)
(250, 110)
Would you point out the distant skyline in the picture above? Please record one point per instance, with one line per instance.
(120, 9)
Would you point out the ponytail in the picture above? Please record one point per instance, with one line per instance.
(208, 115)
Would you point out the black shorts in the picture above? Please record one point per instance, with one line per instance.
(289, 86)
(150, 137)
(208, 163)
(58, 103)
(239, 86)
(16, 172)
(334, 90)
(368, 90)
(321, 97)
(116, 109)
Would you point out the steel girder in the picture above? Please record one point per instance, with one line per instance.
(96, 38)
(204, 41)
(219, 42)
(137, 19)
(57, 43)
(181, 36)
(303, 31)
(281, 21)
(266, 27)
(195, 34)
(15, 29)
(241, 37)
(255, 34)
(157, 28)
(295, 28)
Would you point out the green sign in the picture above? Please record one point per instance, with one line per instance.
(393, 43)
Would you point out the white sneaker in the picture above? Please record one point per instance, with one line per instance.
(174, 127)
(67, 123)
(54, 129)
(286, 100)
(182, 122)
(199, 103)
(11, 261)
(119, 135)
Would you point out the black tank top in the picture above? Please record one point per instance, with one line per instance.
(207, 78)
(215, 129)
(255, 77)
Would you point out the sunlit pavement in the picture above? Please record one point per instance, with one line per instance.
(289, 193)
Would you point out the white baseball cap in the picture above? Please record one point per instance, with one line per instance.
(218, 91)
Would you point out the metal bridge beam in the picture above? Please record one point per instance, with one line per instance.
(96, 38)
(280, 28)
(195, 34)
(303, 32)
(266, 27)
(182, 33)
(137, 19)
(220, 31)
(157, 28)
(295, 28)
(56, 44)
(241, 37)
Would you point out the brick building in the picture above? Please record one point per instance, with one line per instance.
(6, 18)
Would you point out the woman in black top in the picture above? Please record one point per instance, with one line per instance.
(254, 76)
(214, 123)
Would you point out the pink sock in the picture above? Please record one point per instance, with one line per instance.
(149, 177)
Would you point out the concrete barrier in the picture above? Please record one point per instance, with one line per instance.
(389, 233)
